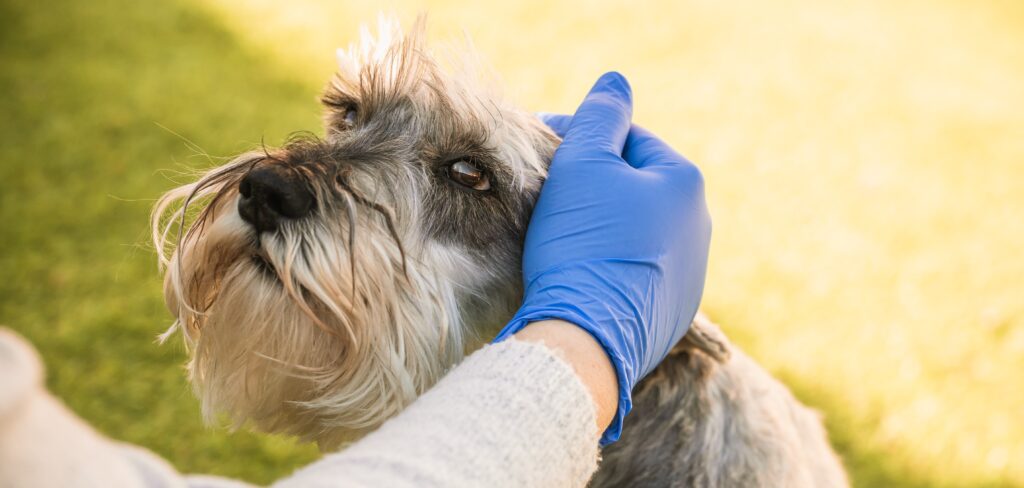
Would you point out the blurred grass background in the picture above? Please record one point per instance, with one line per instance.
(864, 163)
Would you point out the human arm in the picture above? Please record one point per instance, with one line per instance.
(514, 414)
(43, 444)
(511, 414)
(586, 357)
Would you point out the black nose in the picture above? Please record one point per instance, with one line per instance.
(270, 194)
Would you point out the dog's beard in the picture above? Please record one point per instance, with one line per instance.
(322, 329)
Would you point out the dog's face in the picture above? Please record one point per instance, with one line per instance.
(323, 285)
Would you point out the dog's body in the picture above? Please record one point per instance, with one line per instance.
(324, 285)
(708, 415)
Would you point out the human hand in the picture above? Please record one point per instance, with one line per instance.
(618, 241)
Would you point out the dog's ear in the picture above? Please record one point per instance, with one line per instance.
(705, 336)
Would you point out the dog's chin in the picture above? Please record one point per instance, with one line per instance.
(266, 350)
(258, 358)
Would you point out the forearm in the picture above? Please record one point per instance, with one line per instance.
(512, 414)
(587, 359)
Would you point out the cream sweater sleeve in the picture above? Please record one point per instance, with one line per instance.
(512, 414)
(44, 445)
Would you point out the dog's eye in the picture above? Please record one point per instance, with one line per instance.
(350, 117)
(343, 110)
(468, 176)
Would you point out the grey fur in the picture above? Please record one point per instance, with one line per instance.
(442, 256)
(709, 416)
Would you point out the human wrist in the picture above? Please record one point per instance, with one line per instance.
(588, 359)
(604, 308)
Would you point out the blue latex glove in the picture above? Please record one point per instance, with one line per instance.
(618, 241)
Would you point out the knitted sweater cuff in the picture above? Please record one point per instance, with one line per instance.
(512, 414)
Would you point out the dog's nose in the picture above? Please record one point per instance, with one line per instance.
(270, 194)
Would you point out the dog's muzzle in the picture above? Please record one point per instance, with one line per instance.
(270, 194)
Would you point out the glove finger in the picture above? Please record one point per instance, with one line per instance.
(601, 123)
(643, 149)
(558, 123)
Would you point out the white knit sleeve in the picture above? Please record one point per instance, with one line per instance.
(512, 414)
(43, 444)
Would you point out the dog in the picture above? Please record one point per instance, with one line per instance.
(321, 286)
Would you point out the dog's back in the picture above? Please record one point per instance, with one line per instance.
(709, 416)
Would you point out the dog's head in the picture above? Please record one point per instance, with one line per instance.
(323, 285)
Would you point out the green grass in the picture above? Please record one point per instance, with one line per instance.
(85, 85)
(863, 165)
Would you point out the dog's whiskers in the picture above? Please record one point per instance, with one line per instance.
(385, 212)
(350, 207)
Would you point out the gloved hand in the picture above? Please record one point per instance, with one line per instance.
(618, 240)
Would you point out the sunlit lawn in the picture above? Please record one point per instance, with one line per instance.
(865, 169)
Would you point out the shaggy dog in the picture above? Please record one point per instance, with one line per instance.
(321, 286)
